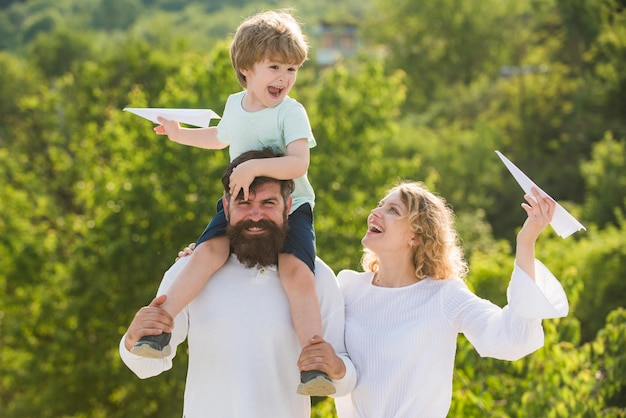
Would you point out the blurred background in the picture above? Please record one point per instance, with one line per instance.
(94, 206)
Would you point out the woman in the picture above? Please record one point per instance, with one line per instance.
(403, 314)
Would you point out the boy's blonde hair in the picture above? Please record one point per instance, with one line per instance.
(275, 35)
(438, 254)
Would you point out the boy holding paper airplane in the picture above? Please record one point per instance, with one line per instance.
(266, 52)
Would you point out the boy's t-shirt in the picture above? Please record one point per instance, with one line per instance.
(274, 127)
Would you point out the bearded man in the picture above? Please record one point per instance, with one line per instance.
(241, 339)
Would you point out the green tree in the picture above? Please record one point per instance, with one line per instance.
(351, 112)
(605, 178)
(444, 43)
(94, 205)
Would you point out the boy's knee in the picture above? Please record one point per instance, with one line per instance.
(213, 246)
(215, 242)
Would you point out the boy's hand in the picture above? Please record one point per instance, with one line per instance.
(187, 251)
(168, 127)
(241, 178)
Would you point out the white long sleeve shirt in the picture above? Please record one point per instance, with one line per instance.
(243, 349)
(402, 341)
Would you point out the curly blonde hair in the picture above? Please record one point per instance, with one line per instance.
(431, 220)
(275, 35)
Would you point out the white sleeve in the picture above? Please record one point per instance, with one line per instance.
(514, 331)
(539, 299)
(333, 321)
(145, 367)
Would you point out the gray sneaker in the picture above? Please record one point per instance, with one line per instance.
(315, 383)
(153, 346)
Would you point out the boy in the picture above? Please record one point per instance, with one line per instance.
(266, 52)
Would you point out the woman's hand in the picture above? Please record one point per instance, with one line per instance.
(540, 211)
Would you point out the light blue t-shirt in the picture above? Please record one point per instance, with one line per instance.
(274, 127)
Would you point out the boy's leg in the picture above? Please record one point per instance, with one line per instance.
(298, 281)
(207, 258)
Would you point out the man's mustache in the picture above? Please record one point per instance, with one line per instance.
(261, 224)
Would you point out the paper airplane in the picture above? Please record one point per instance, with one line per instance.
(195, 117)
(563, 223)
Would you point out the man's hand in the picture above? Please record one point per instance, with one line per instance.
(320, 355)
(149, 320)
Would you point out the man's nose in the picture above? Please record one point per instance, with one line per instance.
(255, 214)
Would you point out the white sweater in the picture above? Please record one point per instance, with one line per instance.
(402, 341)
(243, 349)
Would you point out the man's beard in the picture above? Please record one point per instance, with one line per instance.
(262, 249)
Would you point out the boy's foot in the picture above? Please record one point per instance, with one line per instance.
(315, 383)
(153, 346)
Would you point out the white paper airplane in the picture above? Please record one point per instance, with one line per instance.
(563, 223)
(195, 117)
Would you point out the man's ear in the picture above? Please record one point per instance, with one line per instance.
(225, 203)
(288, 204)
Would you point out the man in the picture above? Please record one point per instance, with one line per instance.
(244, 306)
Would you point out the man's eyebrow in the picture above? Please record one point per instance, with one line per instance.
(240, 198)
(270, 199)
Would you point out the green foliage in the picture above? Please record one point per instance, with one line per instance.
(95, 205)
(325, 408)
(46, 48)
(605, 56)
(609, 353)
(350, 112)
(600, 261)
(605, 177)
(438, 45)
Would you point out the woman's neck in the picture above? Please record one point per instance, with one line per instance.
(395, 274)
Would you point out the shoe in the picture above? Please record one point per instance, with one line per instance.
(315, 383)
(153, 346)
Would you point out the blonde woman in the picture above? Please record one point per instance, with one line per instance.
(405, 311)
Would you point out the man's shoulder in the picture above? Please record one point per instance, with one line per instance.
(322, 268)
(327, 285)
(324, 275)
